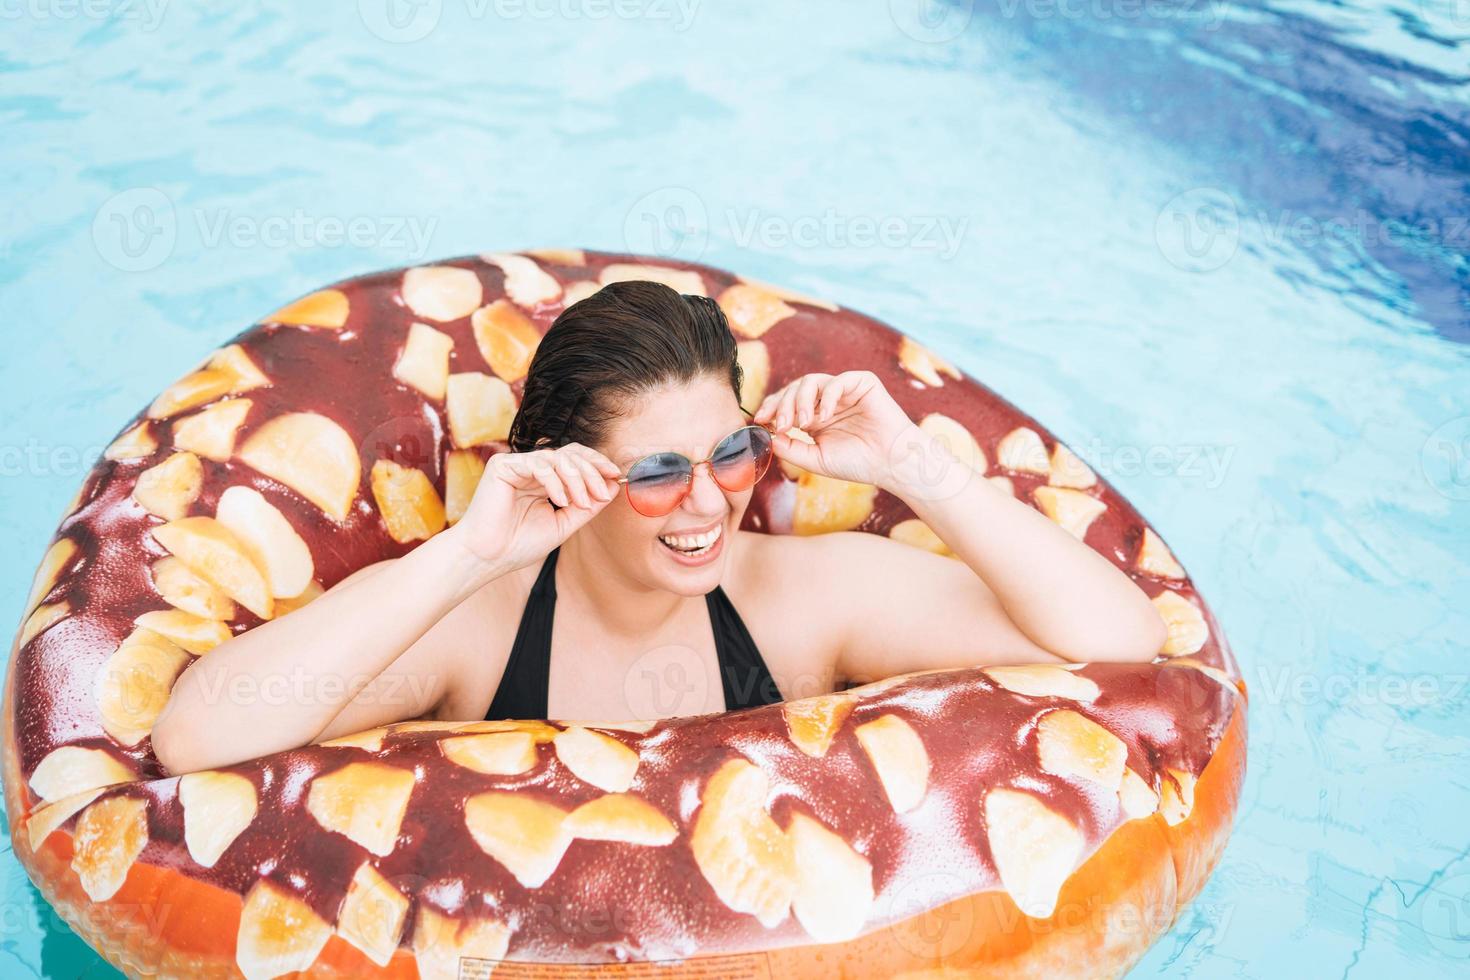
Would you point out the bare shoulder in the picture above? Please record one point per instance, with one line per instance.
(788, 590)
(837, 556)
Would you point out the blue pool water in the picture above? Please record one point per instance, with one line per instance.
(1223, 249)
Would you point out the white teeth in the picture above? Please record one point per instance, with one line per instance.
(692, 543)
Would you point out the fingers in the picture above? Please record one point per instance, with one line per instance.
(597, 481)
(795, 404)
(831, 396)
(805, 402)
(569, 475)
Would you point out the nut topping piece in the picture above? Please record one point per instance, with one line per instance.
(755, 372)
(204, 385)
(424, 363)
(1043, 681)
(1022, 451)
(925, 365)
(1176, 796)
(680, 280)
(72, 769)
(596, 758)
(410, 505)
(167, 490)
(1069, 471)
(1072, 509)
(44, 820)
(228, 371)
(1188, 630)
(135, 443)
(279, 933)
(481, 409)
(210, 432)
(526, 835)
(621, 817)
(1155, 558)
(834, 883)
(526, 282)
(748, 860)
(109, 837)
(1071, 744)
(133, 684)
(218, 806)
(752, 310)
(41, 620)
(441, 292)
(212, 551)
(324, 307)
(791, 295)
(956, 438)
(372, 914)
(196, 634)
(813, 722)
(463, 469)
(57, 557)
(899, 757)
(1136, 797)
(506, 337)
(824, 504)
(269, 539)
(1035, 849)
(917, 534)
(363, 801)
(312, 455)
(441, 943)
(495, 753)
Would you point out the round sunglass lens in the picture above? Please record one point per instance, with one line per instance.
(657, 484)
(741, 459)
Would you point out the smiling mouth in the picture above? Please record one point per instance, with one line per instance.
(693, 545)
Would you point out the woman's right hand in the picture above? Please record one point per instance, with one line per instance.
(510, 520)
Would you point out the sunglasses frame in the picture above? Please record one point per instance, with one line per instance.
(709, 459)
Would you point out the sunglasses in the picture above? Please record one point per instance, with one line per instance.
(660, 482)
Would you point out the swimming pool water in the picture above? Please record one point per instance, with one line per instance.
(1222, 249)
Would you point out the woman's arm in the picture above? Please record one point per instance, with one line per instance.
(1063, 595)
(285, 682)
(279, 685)
(1024, 588)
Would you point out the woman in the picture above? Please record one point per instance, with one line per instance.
(591, 516)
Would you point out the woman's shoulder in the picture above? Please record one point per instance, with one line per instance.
(782, 570)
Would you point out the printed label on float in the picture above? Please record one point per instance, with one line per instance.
(742, 966)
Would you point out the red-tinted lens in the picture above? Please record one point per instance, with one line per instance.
(741, 458)
(656, 484)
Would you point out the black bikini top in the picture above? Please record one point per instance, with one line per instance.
(522, 691)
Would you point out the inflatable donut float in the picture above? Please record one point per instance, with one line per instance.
(1026, 821)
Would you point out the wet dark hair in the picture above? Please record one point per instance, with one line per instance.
(623, 340)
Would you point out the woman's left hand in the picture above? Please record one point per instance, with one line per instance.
(856, 425)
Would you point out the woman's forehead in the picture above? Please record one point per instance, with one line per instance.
(688, 420)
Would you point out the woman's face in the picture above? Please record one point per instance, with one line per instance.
(689, 419)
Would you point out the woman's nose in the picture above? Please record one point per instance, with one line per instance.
(705, 494)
